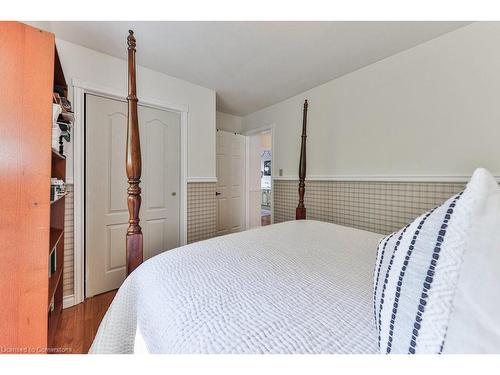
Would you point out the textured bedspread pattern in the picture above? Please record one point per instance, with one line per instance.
(296, 287)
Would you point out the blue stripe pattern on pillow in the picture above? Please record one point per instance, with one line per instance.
(415, 275)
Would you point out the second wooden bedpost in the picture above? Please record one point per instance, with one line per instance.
(133, 164)
(300, 211)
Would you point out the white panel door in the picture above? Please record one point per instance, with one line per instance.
(230, 182)
(106, 214)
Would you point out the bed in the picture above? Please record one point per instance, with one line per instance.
(306, 286)
(284, 288)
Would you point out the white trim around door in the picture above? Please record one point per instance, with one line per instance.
(271, 128)
(80, 88)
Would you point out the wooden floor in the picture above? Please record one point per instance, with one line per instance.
(265, 220)
(78, 325)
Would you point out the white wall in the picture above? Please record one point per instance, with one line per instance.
(229, 123)
(432, 110)
(104, 70)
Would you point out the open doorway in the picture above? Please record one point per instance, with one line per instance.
(265, 179)
(259, 177)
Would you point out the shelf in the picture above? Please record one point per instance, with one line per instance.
(54, 281)
(59, 78)
(58, 198)
(68, 116)
(55, 237)
(56, 154)
(57, 212)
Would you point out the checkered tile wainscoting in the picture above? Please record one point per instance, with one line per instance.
(381, 207)
(201, 211)
(68, 276)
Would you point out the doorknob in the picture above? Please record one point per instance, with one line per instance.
(217, 193)
(174, 194)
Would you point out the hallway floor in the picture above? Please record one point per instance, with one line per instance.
(265, 220)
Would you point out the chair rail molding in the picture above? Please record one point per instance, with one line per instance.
(201, 179)
(383, 178)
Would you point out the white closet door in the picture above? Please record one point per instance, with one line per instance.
(230, 182)
(106, 214)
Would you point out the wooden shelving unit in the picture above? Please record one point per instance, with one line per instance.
(57, 155)
(58, 198)
(33, 244)
(56, 241)
(26, 71)
(55, 236)
(32, 255)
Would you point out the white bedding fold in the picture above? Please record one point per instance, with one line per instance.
(295, 287)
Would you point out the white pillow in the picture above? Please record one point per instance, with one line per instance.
(437, 281)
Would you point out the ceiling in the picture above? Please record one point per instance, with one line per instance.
(252, 65)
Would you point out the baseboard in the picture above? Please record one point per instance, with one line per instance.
(68, 301)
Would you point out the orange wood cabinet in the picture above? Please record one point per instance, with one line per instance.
(26, 85)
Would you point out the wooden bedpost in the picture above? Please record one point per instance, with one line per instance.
(300, 211)
(133, 163)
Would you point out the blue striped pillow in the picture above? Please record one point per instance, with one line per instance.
(416, 276)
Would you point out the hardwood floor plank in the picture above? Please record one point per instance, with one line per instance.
(78, 325)
(265, 220)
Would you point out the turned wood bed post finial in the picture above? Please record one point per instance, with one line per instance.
(133, 165)
(300, 212)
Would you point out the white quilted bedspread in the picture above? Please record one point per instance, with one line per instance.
(295, 287)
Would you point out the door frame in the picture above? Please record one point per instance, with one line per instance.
(80, 88)
(271, 127)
